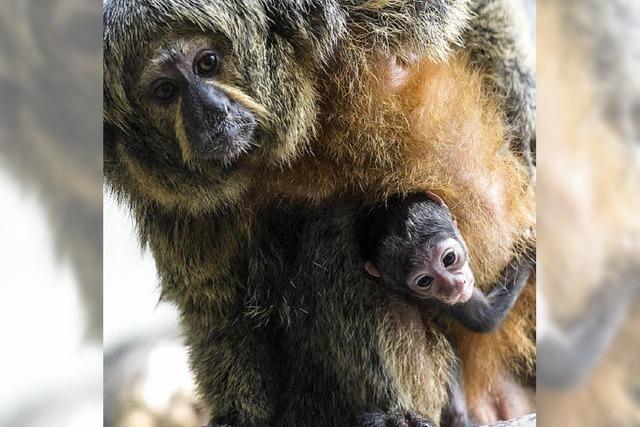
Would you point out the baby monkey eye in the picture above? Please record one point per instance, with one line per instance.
(449, 258)
(206, 63)
(164, 91)
(424, 282)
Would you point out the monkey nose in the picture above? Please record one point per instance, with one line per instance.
(451, 291)
(459, 282)
(459, 289)
(217, 105)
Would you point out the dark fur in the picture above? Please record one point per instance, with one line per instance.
(499, 42)
(282, 325)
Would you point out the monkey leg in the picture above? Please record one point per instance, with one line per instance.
(235, 372)
(456, 414)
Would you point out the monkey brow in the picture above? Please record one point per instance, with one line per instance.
(169, 56)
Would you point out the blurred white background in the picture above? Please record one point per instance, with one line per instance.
(44, 355)
(131, 306)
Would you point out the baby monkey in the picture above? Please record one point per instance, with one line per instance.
(413, 245)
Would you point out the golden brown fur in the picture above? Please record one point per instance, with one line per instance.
(402, 127)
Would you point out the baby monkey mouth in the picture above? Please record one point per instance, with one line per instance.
(465, 294)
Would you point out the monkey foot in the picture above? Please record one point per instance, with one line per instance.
(382, 419)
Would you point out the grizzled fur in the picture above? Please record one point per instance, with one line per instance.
(278, 48)
(283, 326)
(499, 42)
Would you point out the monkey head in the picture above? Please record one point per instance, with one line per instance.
(420, 252)
(195, 90)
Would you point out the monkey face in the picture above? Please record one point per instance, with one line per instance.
(188, 90)
(442, 273)
(419, 251)
(200, 97)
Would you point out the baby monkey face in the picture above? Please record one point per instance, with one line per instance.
(441, 270)
(413, 244)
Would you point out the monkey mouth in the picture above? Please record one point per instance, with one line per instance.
(222, 140)
(225, 147)
(464, 295)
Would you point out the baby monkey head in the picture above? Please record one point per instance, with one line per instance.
(417, 250)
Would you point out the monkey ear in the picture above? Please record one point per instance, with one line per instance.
(371, 269)
(433, 196)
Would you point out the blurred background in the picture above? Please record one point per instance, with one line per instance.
(54, 336)
(588, 222)
(52, 333)
(51, 213)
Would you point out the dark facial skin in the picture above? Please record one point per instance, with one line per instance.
(185, 85)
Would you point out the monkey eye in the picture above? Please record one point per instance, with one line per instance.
(206, 63)
(424, 282)
(449, 258)
(164, 91)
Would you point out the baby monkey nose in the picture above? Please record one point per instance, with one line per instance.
(454, 287)
(459, 282)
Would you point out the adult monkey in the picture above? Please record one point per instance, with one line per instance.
(211, 251)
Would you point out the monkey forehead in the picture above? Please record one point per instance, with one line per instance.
(174, 49)
(429, 208)
(426, 227)
(446, 244)
(132, 27)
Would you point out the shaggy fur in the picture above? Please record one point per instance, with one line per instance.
(283, 326)
(499, 42)
(429, 126)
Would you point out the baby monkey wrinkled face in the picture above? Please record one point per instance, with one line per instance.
(440, 269)
(192, 89)
(414, 246)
